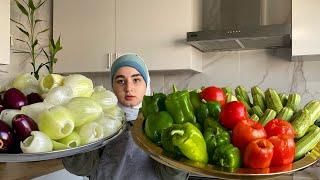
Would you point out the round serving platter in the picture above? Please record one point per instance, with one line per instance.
(207, 170)
(27, 157)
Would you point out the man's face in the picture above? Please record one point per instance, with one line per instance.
(129, 86)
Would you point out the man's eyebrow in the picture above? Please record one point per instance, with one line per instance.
(119, 76)
(136, 75)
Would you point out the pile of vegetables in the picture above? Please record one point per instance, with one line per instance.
(55, 113)
(231, 129)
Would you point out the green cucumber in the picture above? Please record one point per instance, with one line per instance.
(268, 115)
(314, 108)
(285, 114)
(231, 98)
(241, 91)
(293, 101)
(284, 98)
(256, 90)
(301, 122)
(227, 90)
(255, 117)
(257, 110)
(273, 100)
(306, 143)
(312, 128)
(258, 100)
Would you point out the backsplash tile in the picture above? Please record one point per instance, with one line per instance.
(266, 69)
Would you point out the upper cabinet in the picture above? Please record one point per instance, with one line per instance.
(4, 31)
(87, 30)
(156, 30)
(305, 28)
(95, 32)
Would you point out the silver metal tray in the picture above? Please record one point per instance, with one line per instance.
(208, 170)
(27, 157)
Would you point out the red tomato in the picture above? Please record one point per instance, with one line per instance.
(246, 131)
(232, 113)
(278, 127)
(283, 150)
(213, 93)
(258, 154)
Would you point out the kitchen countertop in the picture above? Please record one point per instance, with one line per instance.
(29, 170)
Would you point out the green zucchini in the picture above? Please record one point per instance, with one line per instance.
(273, 100)
(256, 90)
(285, 114)
(301, 122)
(314, 108)
(258, 100)
(293, 101)
(257, 110)
(307, 143)
(242, 92)
(255, 117)
(268, 115)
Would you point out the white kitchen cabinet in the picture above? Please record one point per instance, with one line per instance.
(156, 30)
(4, 31)
(305, 29)
(87, 29)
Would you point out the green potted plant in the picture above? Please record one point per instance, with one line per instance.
(29, 8)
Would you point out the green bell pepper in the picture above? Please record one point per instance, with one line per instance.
(214, 138)
(227, 156)
(214, 109)
(202, 112)
(155, 123)
(195, 98)
(212, 123)
(186, 139)
(179, 106)
(153, 104)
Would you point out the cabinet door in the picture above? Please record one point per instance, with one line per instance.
(305, 28)
(156, 30)
(4, 32)
(87, 29)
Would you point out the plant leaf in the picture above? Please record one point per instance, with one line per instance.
(31, 5)
(46, 54)
(40, 3)
(22, 40)
(37, 20)
(43, 31)
(35, 43)
(18, 23)
(24, 32)
(55, 60)
(52, 43)
(48, 68)
(58, 44)
(22, 8)
(21, 52)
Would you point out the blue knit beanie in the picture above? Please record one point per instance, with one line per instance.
(131, 60)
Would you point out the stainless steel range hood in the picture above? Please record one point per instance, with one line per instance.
(243, 25)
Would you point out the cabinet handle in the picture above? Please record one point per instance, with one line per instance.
(109, 59)
(116, 55)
